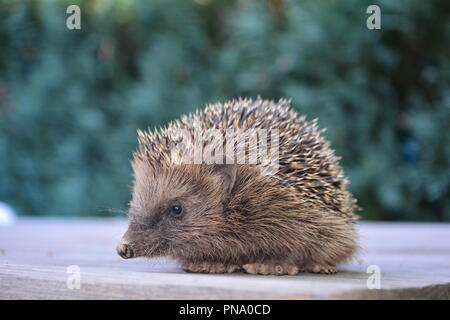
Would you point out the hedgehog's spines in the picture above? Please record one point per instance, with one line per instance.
(307, 163)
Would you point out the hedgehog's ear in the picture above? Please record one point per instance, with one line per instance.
(226, 174)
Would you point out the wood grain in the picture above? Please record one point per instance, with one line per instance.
(414, 260)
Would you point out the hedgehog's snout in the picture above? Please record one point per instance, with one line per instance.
(125, 251)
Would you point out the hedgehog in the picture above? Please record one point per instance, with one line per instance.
(227, 216)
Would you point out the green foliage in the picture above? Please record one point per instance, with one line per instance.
(71, 100)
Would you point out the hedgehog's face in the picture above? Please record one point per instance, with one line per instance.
(175, 211)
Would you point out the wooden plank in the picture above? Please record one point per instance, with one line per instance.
(35, 254)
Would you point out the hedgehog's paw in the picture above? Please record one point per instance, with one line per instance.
(209, 267)
(272, 268)
(322, 268)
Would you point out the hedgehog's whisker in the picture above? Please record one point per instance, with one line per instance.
(114, 210)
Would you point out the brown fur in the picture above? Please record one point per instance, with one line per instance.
(234, 217)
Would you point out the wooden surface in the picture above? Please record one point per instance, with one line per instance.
(414, 260)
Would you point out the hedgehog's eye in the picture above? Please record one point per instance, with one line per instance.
(175, 210)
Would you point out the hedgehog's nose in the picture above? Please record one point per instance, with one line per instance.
(124, 250)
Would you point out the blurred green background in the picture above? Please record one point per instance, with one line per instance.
(71, 100)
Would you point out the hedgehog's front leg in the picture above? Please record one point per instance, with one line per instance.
(272, 268)
(210, 267)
